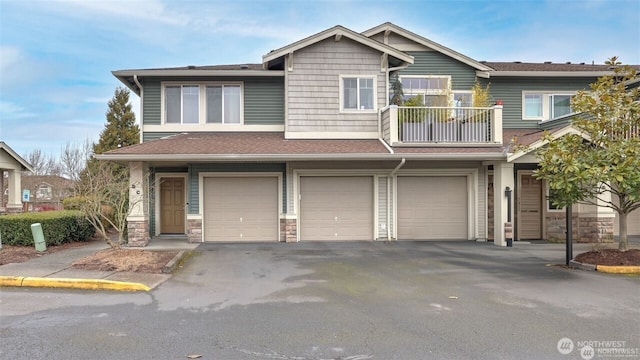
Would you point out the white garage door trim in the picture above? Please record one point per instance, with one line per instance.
(201, 194)
(472, 195)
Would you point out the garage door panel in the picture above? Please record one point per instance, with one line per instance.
(336, 208)
(432, 208)
(241, 209)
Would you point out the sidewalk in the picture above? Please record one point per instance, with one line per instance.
(54, 270)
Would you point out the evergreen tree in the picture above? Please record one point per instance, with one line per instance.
(121, 129)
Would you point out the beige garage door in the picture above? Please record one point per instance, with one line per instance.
(241, 209)
(336, 208)
(432, 208)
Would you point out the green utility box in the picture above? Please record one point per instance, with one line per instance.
(38, 237)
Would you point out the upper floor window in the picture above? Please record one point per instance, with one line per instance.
(434, 89)
(203, 103)
(545, 106)
(358, 93)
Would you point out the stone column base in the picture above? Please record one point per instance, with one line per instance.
(138, 233)
(14, 209)
(288, 230)
(194, 230)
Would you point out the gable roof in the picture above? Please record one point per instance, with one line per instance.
(337, 31)
(22, 162)
(426, 42)
(533, 139)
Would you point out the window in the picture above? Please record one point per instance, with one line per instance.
(462, 98)
(203, 103)
(434, 89)
(550, 205)
(223, 104)
(182, 104)
(358, 93)
(560, 105)
(545, 106)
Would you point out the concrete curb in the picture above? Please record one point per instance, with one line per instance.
(173, 263)
(605, 269)
(582, 266)
(64, 283)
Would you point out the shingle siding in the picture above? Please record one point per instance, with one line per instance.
(314, 87)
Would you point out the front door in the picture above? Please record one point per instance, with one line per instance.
(172, 203)
(530, 208)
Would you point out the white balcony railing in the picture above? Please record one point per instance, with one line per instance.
(451, 125)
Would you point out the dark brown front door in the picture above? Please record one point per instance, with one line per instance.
(172, 205)
(530, 214)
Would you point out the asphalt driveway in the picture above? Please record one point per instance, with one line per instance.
(347, 301)
(401, 300)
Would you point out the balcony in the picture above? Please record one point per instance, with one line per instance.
(444, 126)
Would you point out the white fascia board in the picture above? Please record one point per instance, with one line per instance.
(337, 31)
(299, 157)
(16, 157)
(197, 72)
(428, 43)
(545, 74)
(540, 143)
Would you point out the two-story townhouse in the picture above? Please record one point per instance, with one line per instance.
(306, 146)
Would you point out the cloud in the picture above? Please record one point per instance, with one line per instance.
(11, 111)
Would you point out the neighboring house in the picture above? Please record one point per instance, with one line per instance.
(12, 166)
(305, 146)
(48, 189)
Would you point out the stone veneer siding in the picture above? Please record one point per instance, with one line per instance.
(194, 230)
(585, 229)
(288, 230)
(138, 233)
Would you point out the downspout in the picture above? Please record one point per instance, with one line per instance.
(135, 80)
(389, 178)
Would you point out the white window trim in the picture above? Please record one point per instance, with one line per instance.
(546, 103)
(548, 201)
(375, 94)
(202, 101)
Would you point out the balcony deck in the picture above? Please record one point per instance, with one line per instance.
(450, 126)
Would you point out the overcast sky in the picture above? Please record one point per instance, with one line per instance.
(56, 57)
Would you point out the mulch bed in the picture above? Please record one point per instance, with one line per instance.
(132, 260)
(611, 257)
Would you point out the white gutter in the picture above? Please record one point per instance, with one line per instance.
(135, 79)
(489, 74)
(299, 157)
(389, 178)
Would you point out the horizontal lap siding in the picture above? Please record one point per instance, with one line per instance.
(314, 86)
(509, 90)
(263, 98)
(462, 75)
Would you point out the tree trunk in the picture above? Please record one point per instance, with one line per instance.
(622, 230)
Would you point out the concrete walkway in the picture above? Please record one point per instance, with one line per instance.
(54, 270)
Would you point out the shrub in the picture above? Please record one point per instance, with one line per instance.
(74, 202)
(58, 227)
